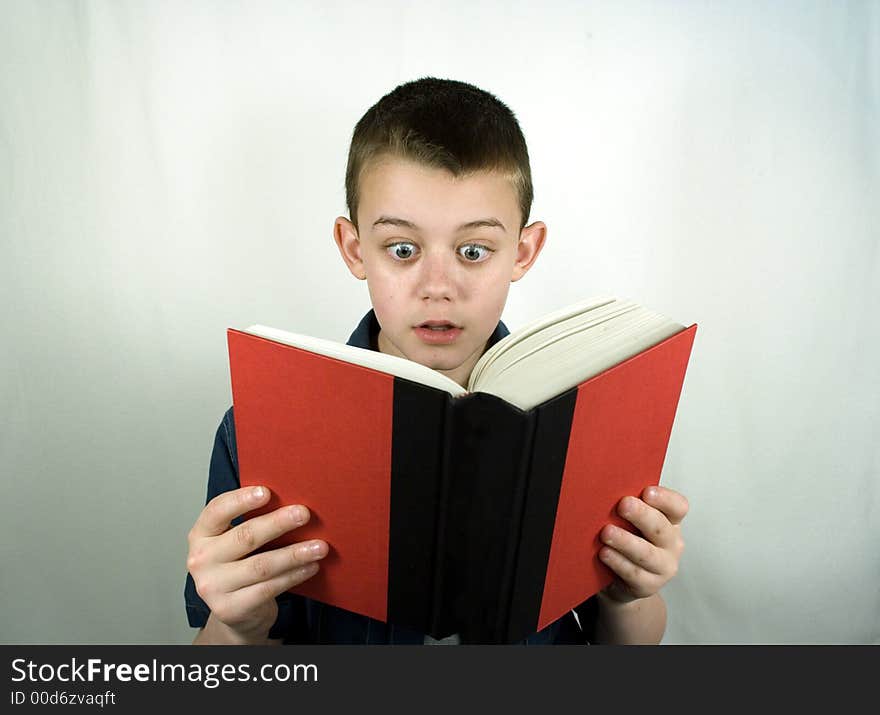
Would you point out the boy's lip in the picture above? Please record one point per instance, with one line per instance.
(436, 323)
(448, 334)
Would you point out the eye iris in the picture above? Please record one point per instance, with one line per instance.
(472, 252)
(404, 248)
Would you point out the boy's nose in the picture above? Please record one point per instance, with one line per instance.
(437, 278)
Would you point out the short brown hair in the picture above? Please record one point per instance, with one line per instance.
(445, 124)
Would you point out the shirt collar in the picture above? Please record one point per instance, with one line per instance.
(366, 334)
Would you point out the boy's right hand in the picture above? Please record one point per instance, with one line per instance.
(239, 589)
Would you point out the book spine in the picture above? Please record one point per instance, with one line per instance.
(486, 443)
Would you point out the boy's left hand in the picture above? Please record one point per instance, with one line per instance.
(644, 564)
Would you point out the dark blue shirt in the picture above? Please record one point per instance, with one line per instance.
(302, 620)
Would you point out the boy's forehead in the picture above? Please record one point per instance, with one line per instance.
(399, 192)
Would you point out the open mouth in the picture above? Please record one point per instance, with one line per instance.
(438, 326)
(438, 332)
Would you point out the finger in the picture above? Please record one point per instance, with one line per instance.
(269, 565)
(222, 509)
(639, 582)
(258, 531)
(651, 522)
(673, 504)
(636, 549)
(246, 600)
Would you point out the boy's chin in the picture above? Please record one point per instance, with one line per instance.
(441, 364)
(443, 359)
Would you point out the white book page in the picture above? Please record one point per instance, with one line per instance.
(541, 383)
(544, 365)
(389, 364)
(599, 305)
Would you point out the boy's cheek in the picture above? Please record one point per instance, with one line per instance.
(384, 307)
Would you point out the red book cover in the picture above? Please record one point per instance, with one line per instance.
(317, 431)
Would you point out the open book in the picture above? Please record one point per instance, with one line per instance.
(449, 510)
(533, 363)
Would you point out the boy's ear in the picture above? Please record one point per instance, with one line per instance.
(531, 241)
(346, 237)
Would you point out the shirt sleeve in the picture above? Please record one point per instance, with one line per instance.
(223, 477)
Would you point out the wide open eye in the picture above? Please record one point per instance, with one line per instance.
(474, 252)
(402, 251)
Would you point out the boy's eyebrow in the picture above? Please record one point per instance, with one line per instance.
(490, 222)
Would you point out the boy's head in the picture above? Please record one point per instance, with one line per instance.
(443, 124)
(439, 190)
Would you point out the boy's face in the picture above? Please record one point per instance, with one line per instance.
(424, 263)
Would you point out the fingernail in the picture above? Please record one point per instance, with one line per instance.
(307, 569)
(258, 493)
(608, 536)
(298, 514)
(314, 549)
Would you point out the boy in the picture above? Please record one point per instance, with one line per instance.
(439, 190)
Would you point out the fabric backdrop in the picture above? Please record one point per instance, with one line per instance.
(168, 170)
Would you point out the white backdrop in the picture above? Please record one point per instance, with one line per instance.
(168, 170)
